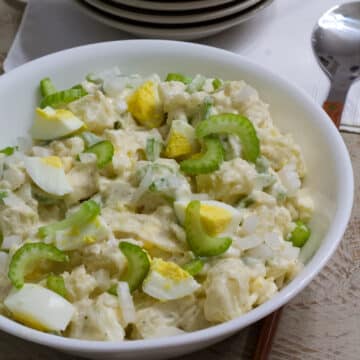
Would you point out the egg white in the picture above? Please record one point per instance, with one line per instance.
(52, 123)
(39, 308)
(162, 287)
(47, 177)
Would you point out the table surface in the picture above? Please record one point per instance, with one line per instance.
(322, 322)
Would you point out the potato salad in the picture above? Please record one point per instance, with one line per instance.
(142, 207)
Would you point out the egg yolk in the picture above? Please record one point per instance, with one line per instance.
(30, 321)
(169, 270)
(214, 219)
(142, 104)
(51, 114)
(177, 145)
(53, 161)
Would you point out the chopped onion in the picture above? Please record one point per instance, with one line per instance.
(4, 257)
(273, 240)
(126, 303)
(12, 200)
(248, 242)
(250, 223)
(262, 251)
(11, 241)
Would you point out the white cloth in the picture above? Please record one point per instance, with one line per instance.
(278, 38)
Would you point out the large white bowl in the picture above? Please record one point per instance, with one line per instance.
(330, 174)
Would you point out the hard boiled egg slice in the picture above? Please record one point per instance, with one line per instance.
(168, 281)
(48, 174)
(181, 140)
(52, 123)
(145, 106)
(39, 308)
(216, 217)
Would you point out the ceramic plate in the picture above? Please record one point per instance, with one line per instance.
(172, 18)
(173, 5)
(173, 31)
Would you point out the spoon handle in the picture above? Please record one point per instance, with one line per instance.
(334, 109)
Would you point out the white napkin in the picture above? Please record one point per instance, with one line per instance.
(278, 38)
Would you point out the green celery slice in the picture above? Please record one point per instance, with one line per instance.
(32, 253)
(90, 138)
(199, 241)
(88, 210)
(300, 235)
(47, 87)
(9, 150)
(209, 160)
(193, 267)
(104, 151)
(178, 77)
(233, 124)
(56, 283)
(63, 98)
(138, 264)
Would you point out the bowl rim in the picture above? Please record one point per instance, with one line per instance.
(333, 237)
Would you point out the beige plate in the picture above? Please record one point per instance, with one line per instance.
(178, 32)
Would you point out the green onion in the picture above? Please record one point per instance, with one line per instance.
(207, 161)
(56, 283)
(88, 211)
(217, 84)
(300, 235)
(29, 255)
(199, 241)
(3, 194)
(178, 77)
(153, 149)
(117, 125)
(138, 264)
(8, 150)
(193, 267)
(104, 151)
(47, 87)
(233, 124)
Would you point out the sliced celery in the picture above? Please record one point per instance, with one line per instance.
(233, 124)
(29, 255)
(207, 161)
(199, 241)
(47, 87)
(104, 151)
(88, 210)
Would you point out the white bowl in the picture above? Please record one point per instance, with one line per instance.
(330, 174)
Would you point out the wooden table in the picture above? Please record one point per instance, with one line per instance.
(323, 322)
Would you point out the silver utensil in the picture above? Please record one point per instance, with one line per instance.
(336, 44)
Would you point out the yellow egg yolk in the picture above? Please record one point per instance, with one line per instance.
(214, 219)
(53, 161)
(144, 107)
(54, 114)
(169, 270)
(177, 145)
(28, 320)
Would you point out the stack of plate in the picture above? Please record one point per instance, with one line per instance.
(173, 19)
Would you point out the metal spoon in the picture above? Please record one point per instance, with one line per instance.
(336, 44)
